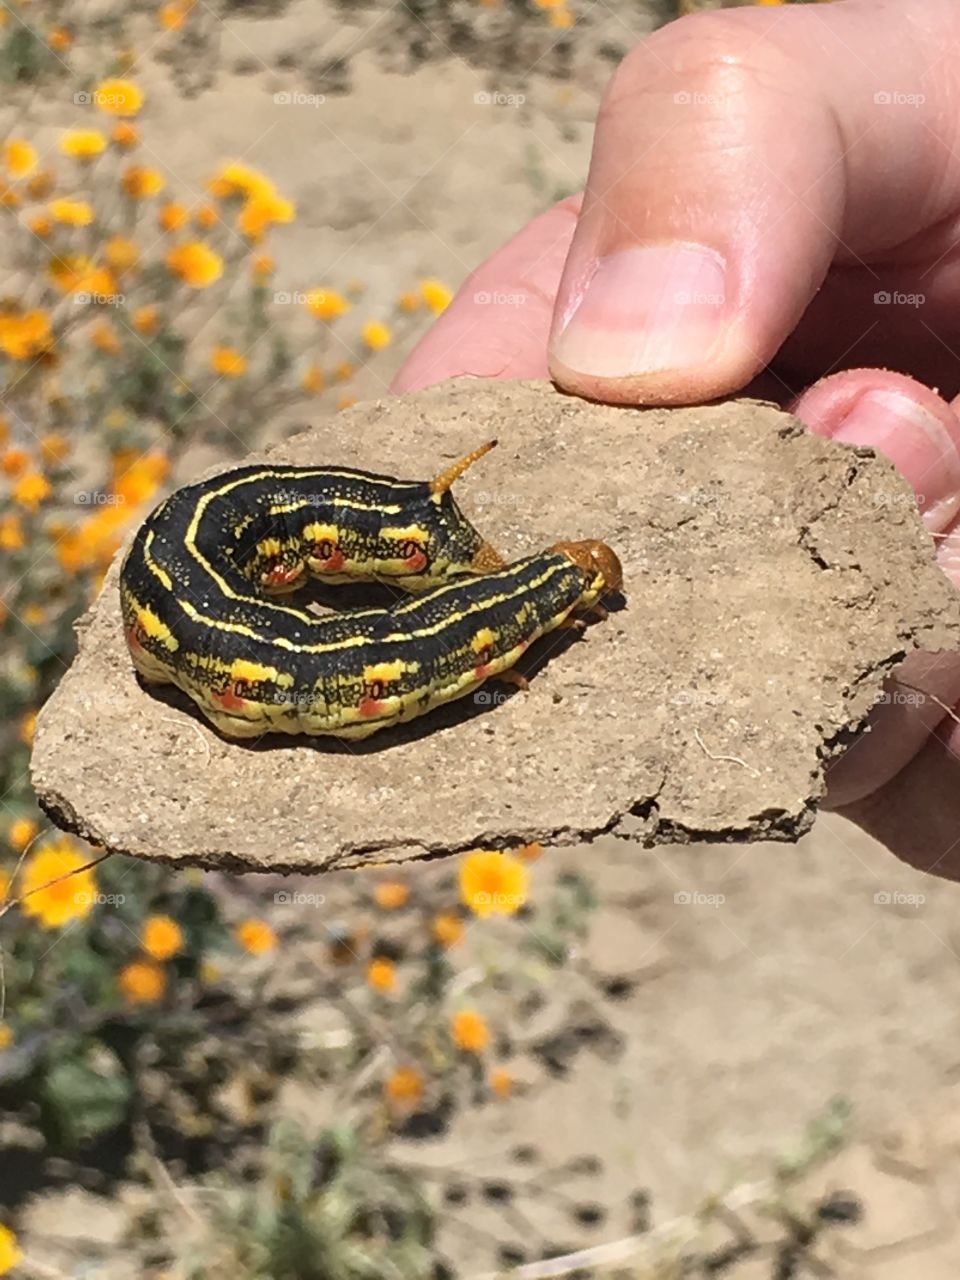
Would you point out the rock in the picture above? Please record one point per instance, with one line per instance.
(773, 579)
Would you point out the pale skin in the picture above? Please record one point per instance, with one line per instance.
(758, 177)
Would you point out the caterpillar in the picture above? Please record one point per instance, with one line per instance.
(202, 587)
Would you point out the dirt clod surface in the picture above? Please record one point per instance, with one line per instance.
(772, 580)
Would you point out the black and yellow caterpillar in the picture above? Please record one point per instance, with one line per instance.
(197, 582)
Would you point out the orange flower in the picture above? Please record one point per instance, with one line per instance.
(196, 263)
(262, 264)
(104, 338)
(121, 253)
(376, 334)
(31, 489)
(531, 852)
(345, 400)
(14, 460)
(313, 381)
(118, 97)
(40, 184)
(470, 1031)
(255, 936)
(137, 477)
(139, 181)
(124, 134)
(409, 301)
(40, 225)
(391, 894)
(76, 273)
(228, 362)
(492, 882)
(436, 295)
(59, 38)
(562, 18)
(172, 215)
(173, 15)
(53, 888)
(82, 144)
(206, 216)
(142, 981)
(145, 319)
(161, 937)
(382, 974)
(19, 157)
(54, 448)
(404, 1086)
(22, 831)
(447, 928)
(327, 304)
(263, 209)
(344, 371)
(75, 213)
(23, 336)
(11, 532)
(501, 1082)
(239, 179)
(28, 727)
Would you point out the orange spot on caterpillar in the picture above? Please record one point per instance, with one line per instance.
(371, 706)
(414, 557)
(280, 576)
(229, 699)
(134, 636)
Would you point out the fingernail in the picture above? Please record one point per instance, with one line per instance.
(916, 442)
(646, 309)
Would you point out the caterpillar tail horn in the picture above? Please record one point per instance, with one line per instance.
(442, 482)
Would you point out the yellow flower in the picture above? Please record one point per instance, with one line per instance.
(263, 209)
(11, 532)
(382, 974)
(104, 338)
(22, 831)
(10, 1254)
(404, 1085)
(196, 263)
(75, 273)
(161, 937)
(54, 448)
(313, 381)
(59, 38)
(327, 303)
(436, 295)
(561, 19)
(172, 215)
(239, 179)
(28, 727)
(391, 894)
(501, 1082)
(53, 888)
(83, 144)
(19, 157)
(228, 361)
(255, 936)
(447, 928)
(376, 334)
(139, 181)
(206, 216)
(6, 1032)
(118, 97)
(142, 981)
(75, 213)
(24, 336)
(31, 489)
(124, 134)
(94, 542)
(409, 301)
(121, 253)
(470, 1031)
(137, 477)
(39, 224)
(493, 882)
(172, 16)
(145, 319)
(40, 184)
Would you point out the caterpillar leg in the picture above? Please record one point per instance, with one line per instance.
(512, 676)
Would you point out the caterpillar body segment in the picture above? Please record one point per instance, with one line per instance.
(202, 594)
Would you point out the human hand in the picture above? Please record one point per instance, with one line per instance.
(761, 180)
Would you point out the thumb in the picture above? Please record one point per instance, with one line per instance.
(737, 155)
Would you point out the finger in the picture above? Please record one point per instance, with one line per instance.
(737, 154)
(497, 325)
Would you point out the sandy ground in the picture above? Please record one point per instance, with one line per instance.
(745, 1018)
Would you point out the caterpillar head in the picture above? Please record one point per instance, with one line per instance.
(597, 560)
